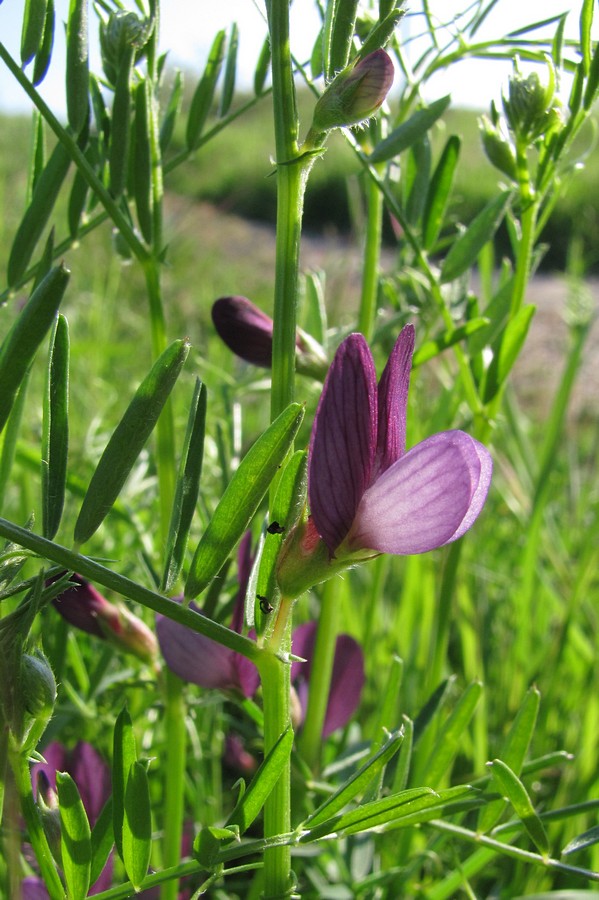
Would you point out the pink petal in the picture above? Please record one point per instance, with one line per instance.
(343, 443)
(393, 401)
(428, 498)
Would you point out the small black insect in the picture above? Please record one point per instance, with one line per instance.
(265, 606)
(275, 528)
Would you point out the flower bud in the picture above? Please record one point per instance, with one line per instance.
(355, 94)
(248, 332)
(38, 686)
(47, 802)
(528, 106)
(122, 32)
(498, 149)
(85, 608)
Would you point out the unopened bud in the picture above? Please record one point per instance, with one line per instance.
(38, 686)
(498, 149)
(47, 801)
(123, 33)
(355, 94)
(248, 332)
(85, 608)
(528, 106)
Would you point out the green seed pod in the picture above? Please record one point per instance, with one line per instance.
(499, 151)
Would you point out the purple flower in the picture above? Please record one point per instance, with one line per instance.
(92, 777)
(347, 679)
(248, 332)
(367, 495)
(196, 658)
(85, 608)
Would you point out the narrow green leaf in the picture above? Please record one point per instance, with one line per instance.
(253, 799)
(513, 753)
(433, 348)
(102, 839)
(45, 264)
(240, 501)
(358, 783)
(44, 54)
(77, 65)
(9, 437)
(590, 91)
(344, 23)
(586, 22)
(137, 825)
(557, 45)
(468, 245)
(452, 733)
(188, 486)
(55, 429)
(432, 708)
(230, 71)
(75, 844)
(173, 108)
(120, 128)
(38, 154)
(511, 787)
(402, 770)
(327, 39)
(124, 755)
(262, 67)
(582, 841)
(439, 192)
(410, 131)
(375, 813)
(316, 57)
(507, 350)
(32, 32)
(80, 189)
(315, 313)
(37, 214)
(28, 331)
(289, 500)
(418, 165)
(204, 93)
(128, 439)
(142, 163)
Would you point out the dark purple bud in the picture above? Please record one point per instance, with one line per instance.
(85, 608)
(245, 329)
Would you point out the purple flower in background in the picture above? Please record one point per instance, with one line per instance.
(248, 332)
(367, 495)
(366, 492)
(92, 777)
(347, 679)
(196, 658)
(85, 608)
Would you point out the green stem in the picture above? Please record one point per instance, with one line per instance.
(276, 686)
(372, 256)
(291, 181)
(310, 742)
(35, 832)
(88, 568)
(165, 431)
(176, 736)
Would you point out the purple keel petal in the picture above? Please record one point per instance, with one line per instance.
(343, 443)
(393, 401)
(428, 498)
(194, 657)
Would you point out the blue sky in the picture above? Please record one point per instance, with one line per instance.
(188, 26)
